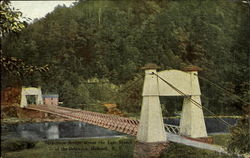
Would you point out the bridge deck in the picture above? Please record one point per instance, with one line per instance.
(116, 123)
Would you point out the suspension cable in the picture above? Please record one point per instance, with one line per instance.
(223, 89)
(219, 87)
(126, 88)
(120, 91)
(192, 100)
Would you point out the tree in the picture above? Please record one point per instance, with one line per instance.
(240, 137)
(10, 19)
(10, 23)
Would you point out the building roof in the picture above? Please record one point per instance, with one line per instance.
(150, 66)
(192, 68)
(50, 96)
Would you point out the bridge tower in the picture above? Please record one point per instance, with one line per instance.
(151, 127)
(26, 91)
(192, 122)
(170, 83)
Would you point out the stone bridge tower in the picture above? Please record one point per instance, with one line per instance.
(192, 124)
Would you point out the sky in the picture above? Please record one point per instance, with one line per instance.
(38, 9)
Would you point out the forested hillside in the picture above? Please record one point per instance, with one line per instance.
(95, 49)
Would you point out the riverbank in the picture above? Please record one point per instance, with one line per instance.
(103, 148)
(16, 115)
(16, 120)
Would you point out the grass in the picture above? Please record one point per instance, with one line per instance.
(14, 120)
(182, 151)
(105, 148)
(85, 148)
(16, 144)
(221, 139)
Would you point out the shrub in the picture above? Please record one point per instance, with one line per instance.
(16, 144)
(240, 137)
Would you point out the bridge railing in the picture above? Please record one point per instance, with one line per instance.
(172, 129)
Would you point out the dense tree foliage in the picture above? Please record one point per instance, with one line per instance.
(12, 67)
(110, 40)
(10, 19)
(240, 137)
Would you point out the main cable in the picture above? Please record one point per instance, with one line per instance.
(192, 100)
(223, 89)
(219, 87)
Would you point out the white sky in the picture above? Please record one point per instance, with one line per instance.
(37, 9)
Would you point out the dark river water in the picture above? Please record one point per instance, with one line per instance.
(75, 129)
(213, 125)
(55, 130)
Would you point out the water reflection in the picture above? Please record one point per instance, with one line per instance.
(75, 129)
(55, 130)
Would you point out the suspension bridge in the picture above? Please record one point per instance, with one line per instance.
(150, 128)
(121, 124)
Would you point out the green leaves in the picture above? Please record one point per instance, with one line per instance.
(17, 67)
(10, 19)
(240, 137)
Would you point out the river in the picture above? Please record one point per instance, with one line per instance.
(75, 129)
